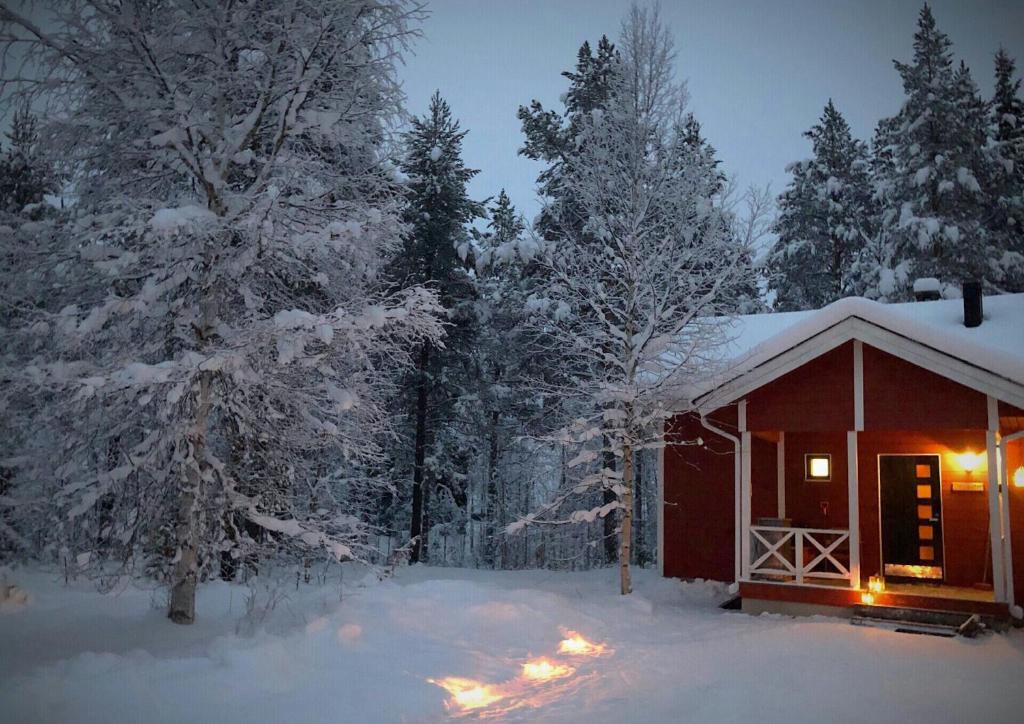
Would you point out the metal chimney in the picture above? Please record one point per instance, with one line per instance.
(973, 306)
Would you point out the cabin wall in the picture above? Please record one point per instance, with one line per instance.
(805, 499)
(816, 397)
(899, 395)
(699, 514)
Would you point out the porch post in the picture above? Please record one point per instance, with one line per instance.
(745, 492)
(995, 522)
(852, 484)
(780, 461)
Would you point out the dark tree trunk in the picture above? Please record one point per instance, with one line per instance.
(418, 531)
(611, 546)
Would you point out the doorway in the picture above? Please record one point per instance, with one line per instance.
(910, 495)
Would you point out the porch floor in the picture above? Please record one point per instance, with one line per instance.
(927, 590)
(932, 590)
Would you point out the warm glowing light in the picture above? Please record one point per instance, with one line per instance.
(969, 461)
(876, 584)
(468, 694)
(868, 598)
(576, 645)
(1018, 477)
(545, 670)
(818, 467)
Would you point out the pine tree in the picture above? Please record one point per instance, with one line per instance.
(824, 216)
(935, 174)
(436, 254)
(1007, 214)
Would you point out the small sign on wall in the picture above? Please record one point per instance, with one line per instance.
(968, 487)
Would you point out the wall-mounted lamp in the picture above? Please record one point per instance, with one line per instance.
(1018, 477)
(969, 461)
(818, 466)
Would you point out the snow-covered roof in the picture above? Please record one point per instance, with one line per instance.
(996, 346)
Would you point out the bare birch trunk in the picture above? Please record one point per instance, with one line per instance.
(182, 607)
(626, 533)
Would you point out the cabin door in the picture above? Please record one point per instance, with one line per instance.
(911, 501)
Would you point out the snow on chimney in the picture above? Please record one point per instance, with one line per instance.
(973, 308)
(926, 289)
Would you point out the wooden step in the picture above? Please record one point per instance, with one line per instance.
(920, 621)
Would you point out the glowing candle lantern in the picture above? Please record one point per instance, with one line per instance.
(867, 598)
(876, 584)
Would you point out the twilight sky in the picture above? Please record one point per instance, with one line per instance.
(759, 73)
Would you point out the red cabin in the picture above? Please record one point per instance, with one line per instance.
(857, 453)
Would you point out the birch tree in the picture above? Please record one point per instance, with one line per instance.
(637, 269)
(202, 351)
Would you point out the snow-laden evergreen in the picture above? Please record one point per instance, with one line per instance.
(202, 349)
(436, 254)
(1007, 216)
(824, 218)
(934, 181)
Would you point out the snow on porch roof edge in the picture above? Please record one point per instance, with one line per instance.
(996, 346)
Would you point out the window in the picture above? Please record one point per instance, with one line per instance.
(818, 466)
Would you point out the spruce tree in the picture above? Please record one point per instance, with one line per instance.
(435, 254)
(935, 221)
(552, 137)
(25, 176)
(1007, 214)
(823, 218)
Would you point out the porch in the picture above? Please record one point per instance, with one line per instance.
(841, 538)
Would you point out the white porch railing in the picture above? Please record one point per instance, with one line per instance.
(799, 553)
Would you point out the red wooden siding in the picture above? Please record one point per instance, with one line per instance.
(899, 395)
(699, 498)
(804, 498)
(964, 515)
(764, 474)
(1014, 460)
(817, 396)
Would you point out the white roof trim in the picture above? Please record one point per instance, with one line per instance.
(850, 328)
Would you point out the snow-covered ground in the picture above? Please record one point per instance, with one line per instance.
(73, 655)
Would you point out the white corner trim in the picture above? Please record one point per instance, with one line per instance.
(995, 521)
(741, 416)
(746, 499)
(780, 460)
(858, 385)
(993, 413)
(853, 493)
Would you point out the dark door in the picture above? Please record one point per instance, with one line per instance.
(911, 515)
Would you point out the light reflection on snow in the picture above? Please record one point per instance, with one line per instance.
(545, 670)
(575, 645)
(468, 694)
(541, 681)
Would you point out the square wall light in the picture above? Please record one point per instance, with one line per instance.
(818, 466)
